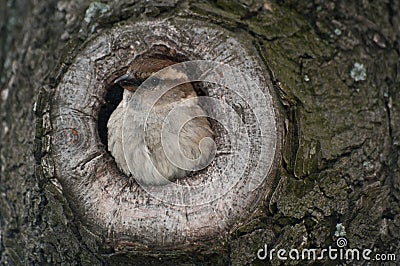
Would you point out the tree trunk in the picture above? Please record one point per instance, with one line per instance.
(333, 69)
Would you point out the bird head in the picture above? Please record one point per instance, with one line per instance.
(142, 69)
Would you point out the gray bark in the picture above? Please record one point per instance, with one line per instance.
(341, 135)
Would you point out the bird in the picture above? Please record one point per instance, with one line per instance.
(138, 147)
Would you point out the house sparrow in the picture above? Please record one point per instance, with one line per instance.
(140, 145)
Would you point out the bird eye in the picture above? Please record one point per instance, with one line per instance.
(154, 81)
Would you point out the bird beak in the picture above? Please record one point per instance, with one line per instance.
(128, 82)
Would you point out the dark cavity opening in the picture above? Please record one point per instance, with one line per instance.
(112, 99)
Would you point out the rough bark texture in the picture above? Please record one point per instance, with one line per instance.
(340, 160)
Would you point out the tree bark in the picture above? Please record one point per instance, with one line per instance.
(335, 70)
